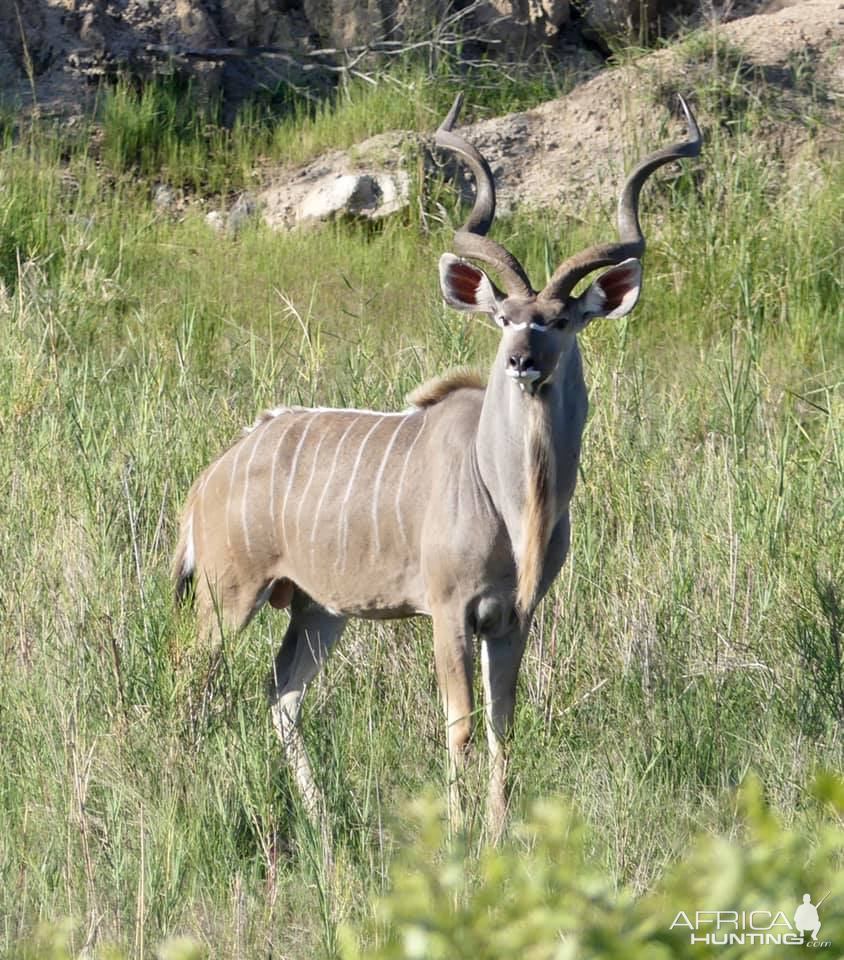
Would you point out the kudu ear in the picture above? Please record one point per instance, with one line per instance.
(466, 287)
(612, 295)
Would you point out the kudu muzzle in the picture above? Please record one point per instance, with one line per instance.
(528, 361)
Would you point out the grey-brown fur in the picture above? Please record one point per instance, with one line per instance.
(457, 508)
(443, 547)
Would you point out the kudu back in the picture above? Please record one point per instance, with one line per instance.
(457, 508)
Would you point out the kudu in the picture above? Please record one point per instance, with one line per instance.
(457, 508)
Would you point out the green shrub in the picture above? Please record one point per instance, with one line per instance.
(542, 897)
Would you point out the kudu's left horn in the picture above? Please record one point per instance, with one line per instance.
(470, 240)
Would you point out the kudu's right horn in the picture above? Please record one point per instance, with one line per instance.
(631, 241)
(471, 241)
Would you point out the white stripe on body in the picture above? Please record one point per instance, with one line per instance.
(257, 435)
(206, 480)
(378, 481)
(276, 452)
(328, 484)
(343, 527)
(235, 461)
(289, 487)
(401, 480)
(307, 489)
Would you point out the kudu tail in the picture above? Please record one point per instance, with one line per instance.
(184, 558)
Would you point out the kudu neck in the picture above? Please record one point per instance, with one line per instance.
(508, 417)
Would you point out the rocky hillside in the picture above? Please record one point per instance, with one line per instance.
(784, 66)
(780, 64)
(55, 51)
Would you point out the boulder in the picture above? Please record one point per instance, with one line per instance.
(369, 195)
(216, 220)
(370, 180)
(522, 23)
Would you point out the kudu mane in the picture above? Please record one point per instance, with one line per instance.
(436, 390)
(539, 486)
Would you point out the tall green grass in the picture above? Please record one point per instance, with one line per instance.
(161, 130)
(693, 636)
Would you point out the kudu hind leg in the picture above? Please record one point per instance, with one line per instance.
(228, 603)
(307, 643)
(501, 658)
(223, 610)
(454, 660)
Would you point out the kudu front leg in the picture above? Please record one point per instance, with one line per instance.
(453, 657)
(501, 658)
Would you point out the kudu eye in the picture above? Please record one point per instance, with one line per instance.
(502, 320)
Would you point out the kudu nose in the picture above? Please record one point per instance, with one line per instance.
(520, 362)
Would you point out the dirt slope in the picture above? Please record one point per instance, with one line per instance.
(568, 151)
(570, 147)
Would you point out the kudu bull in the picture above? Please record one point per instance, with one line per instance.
(457, 508)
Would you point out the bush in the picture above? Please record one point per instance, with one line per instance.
(539, 897)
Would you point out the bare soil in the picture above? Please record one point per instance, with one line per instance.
(567, 152)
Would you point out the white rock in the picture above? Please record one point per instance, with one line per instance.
(216, 220)
(395, 192)
(359, 195)
(163, 195)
